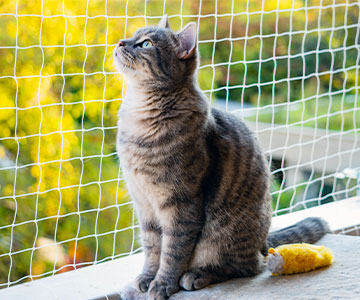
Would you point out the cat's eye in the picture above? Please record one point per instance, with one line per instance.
(146, 44)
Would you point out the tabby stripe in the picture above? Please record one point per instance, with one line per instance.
(166, 275)
(239, 158)
(159, 63)
(305, 232)
(212, 178)
(245, 183)
(159, 141)
(177, 244)
(180, 233)
(156, 75)
(150, 226)
(235, 167)
(174, 255)
(175, 201)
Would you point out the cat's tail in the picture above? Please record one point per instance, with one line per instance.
(309, 230)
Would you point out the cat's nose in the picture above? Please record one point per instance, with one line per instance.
(121, 44)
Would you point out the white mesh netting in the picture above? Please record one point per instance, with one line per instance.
(290, 69)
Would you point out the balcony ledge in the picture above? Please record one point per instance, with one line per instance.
(106, 280)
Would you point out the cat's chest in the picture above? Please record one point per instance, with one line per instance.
(134, 153)
(143, 187)
(145, 168)
(142, 166)
(139, 141)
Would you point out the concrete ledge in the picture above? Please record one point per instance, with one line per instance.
(341, 215)
(104, 281)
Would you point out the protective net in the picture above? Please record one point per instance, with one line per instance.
(290, 69)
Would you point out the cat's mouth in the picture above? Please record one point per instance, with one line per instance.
(124, 59)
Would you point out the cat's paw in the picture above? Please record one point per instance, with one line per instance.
(162, 288)
(130, 293)
(193, 281)
(142, 282)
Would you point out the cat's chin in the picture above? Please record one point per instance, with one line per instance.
(123, 67)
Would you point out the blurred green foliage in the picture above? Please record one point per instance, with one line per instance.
(340, 112)
(60, 95)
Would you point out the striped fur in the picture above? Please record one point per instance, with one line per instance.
(309, 230)
(198, 178)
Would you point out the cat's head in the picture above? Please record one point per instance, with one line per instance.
(158, 55)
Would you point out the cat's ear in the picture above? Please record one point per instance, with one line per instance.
(164, 22)
(188, 41)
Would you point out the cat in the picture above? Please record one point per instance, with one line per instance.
(197, 176)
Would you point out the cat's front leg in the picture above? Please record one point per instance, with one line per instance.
(181, 223)
(151, 241)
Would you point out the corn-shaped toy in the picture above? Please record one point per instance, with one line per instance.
(298, 258)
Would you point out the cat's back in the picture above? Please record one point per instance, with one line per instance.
(238, 165)
(233, 135)
(231, 127)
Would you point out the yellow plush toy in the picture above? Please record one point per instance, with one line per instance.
(298, 258)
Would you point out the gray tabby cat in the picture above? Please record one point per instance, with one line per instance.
(197, 176)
